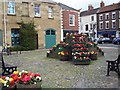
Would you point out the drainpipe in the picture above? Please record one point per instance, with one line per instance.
(4, 24)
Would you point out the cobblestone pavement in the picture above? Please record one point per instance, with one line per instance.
(64, 74)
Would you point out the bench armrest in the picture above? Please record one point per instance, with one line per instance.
(110, 61)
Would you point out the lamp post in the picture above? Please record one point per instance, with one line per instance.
(94, 26)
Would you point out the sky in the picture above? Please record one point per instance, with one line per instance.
(83, 4)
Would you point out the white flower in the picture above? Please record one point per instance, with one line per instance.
(35, 83)
(38, 78)
(20, 73)
(75, 57)
(26, 72)
(7, 85)
(48, 51)
(30, 76)
(23, 71)
(7, 78)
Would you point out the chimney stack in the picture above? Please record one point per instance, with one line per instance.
(102, 4)
(90, 7)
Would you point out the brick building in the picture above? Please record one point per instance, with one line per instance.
(108, 20)
(44, 13)
(69, 20)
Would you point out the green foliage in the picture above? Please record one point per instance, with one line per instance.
(28, 36)
(17, 48)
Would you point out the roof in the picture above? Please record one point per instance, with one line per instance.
(63, 6)
(112, 7)
(46, 1)
(89, 12)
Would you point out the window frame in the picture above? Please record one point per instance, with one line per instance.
(86, 27)
(119, 13)
(114, 13)
(113, 25)
(107, 24)
(119, 23)
(9, 7)
(50, 12)
(101, 15)
(92, 18)
(73, 20)
(107, 16)
(101, 25)
(15, 36)
(37, 6)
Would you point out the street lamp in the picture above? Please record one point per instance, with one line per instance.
(94, 26)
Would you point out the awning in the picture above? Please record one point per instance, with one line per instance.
(107, 32)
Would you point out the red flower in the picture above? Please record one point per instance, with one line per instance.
(26, 79)
(37, 75)
(3, 77)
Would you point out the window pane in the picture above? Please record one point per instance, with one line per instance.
(15, 37)
(72, 20)
(50, 12)
(48, 32)
(11, 7)
(86, 26)
(52, 32)
(37, 10)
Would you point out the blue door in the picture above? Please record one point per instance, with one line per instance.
(50, 38)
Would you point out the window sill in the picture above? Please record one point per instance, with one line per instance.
(72, 25)
(11, 14)
(37, 16)
(51, 18)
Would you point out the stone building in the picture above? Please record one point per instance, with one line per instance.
(45, 14)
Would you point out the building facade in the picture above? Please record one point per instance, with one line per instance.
(1, 40)
(108, 21)
(45, 14)
(69, 20)
(88, 21)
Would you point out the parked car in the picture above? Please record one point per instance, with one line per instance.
(116, 40)
(104, 40)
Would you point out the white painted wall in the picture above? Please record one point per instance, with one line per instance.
(87, 20)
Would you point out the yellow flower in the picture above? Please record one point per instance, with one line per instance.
(92, 52)
(59, 53)
(2, 81)
(11, 79)
(15, 72)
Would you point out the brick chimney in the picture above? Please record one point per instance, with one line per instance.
(102, 4)
(90, 7)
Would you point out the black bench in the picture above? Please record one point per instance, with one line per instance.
(7, 69)
(113, 66)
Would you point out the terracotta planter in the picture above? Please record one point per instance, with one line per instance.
(32, 86)
(64, 58)
(14, 87)
(93, 56)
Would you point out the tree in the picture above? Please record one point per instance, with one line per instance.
(28, 36)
